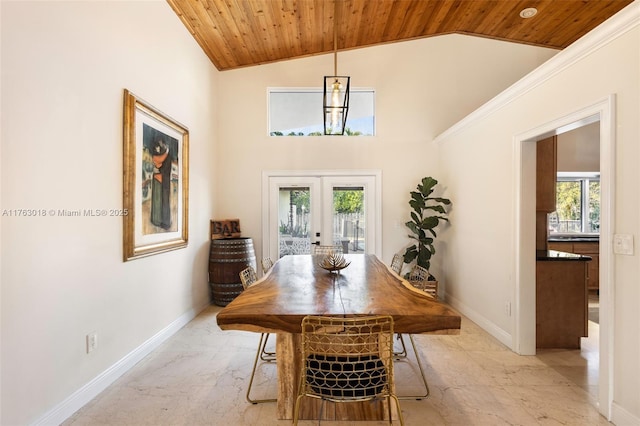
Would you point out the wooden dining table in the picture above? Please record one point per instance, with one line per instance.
(296, 286)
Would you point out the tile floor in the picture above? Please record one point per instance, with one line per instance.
(199, 377)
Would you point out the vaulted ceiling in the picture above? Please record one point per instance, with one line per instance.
(240, 33)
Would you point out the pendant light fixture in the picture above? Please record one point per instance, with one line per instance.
(335, 102)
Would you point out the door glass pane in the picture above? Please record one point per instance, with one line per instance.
(303, 210)
(349, 224)
(293, 218)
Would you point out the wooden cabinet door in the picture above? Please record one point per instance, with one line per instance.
(561, 304)
(593, 273)
(546, 174)
(591, 249)
(587, 248)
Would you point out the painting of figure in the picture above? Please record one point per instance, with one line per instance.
(160, 160)
(156, 181)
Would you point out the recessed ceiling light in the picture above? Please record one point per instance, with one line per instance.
(529, 12)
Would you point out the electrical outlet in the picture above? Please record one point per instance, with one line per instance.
(92, 342)
(507, 309)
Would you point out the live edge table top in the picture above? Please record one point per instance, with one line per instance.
(296, 286)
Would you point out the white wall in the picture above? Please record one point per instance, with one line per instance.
(64, 68)
(579, 149)
(480, 167)
(422, 87)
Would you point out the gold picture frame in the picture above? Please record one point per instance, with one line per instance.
(156, 181)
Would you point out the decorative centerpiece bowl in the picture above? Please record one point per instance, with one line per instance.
(333, 262)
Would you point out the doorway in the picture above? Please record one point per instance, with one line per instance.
(524, 318)
(303, 208)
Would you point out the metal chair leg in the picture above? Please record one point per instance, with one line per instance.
(400, 416)
(424, 379)
(403, 352)
(264, 355)
(261, 344)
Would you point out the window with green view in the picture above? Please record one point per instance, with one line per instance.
(298, 112)
(577, 204)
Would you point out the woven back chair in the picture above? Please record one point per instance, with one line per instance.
(267, 263)
(347, 360)
(419, 278)
(324, 250)
(248, 277)
(396, 263)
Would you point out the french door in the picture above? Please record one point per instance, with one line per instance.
(325, 208)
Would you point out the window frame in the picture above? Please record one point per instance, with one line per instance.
(319, 91)
(584, 178)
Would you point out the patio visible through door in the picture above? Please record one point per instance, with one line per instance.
(336, 210)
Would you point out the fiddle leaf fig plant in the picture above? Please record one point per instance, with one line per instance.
(427, 213)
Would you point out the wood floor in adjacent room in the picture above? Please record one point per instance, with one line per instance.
(200, 375)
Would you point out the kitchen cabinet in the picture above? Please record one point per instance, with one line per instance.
(561, 299)
(587, 248)
(546, 174)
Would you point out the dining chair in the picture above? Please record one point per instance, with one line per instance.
(396, 263)
(248, 277)
(323, 250)
(397, 356)
(396, 266)
(267, 263)
(419, 278)
(347, 360)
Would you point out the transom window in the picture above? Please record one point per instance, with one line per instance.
(577, 204)
(298, 112)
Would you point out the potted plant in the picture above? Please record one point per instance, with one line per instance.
(427, 213)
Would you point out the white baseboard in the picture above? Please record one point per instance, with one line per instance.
(621, 417)
(488, 326)
(79, 398)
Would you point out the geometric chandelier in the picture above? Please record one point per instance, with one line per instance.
(335, 103)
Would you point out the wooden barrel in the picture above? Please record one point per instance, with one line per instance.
(227, 257)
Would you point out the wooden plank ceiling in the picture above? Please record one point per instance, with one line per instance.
(240, 33)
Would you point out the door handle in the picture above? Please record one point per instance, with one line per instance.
(317, 243)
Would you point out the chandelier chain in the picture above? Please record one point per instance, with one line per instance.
(335, 37)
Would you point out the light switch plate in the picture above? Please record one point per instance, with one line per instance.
(623, 244)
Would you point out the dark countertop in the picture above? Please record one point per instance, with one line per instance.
(574, 238)
(554, 255)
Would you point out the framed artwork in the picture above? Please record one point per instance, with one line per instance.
(156, 181)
